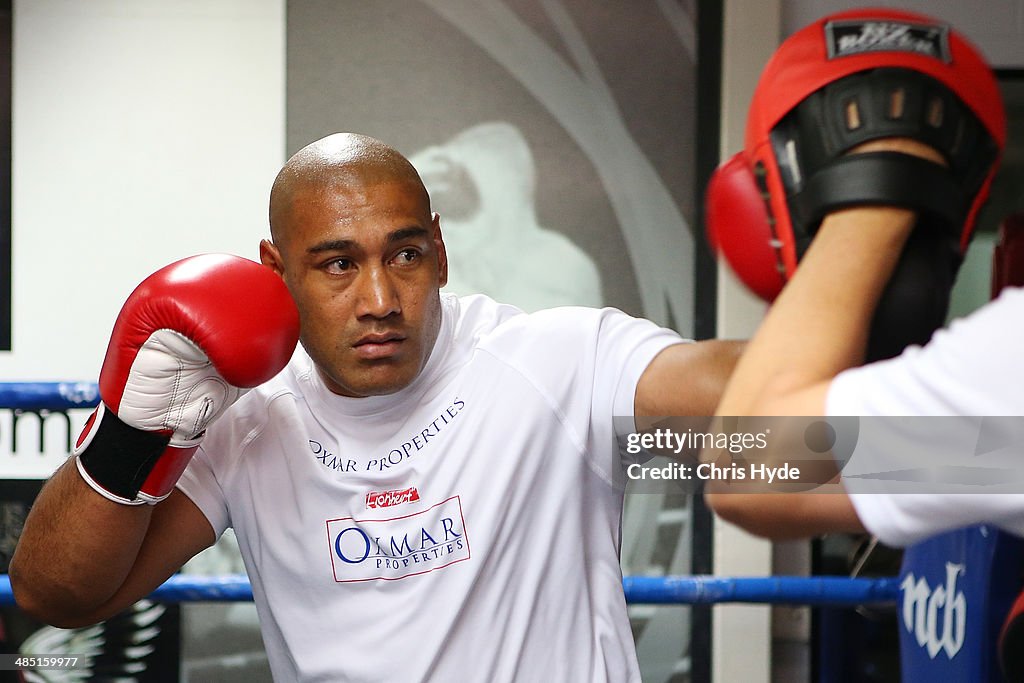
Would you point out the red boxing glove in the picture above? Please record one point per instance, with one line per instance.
(188, 342)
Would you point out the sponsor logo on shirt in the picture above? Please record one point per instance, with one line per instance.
(397, 453)
(936, 617)
(330, 460)
(418, 441)
(386, 499)
(398, 547)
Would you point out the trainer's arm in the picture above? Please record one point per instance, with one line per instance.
(817, 328)
(82, 558)
(819, 324)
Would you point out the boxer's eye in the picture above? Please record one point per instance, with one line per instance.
(338, 265)
(406, 257)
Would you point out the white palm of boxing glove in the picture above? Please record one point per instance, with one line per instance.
(173, 386)
(182, 351)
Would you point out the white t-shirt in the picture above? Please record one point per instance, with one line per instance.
(465, 528)
(974, 368)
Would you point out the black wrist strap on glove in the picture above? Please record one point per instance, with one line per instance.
(886, 179)
(115, 457)
(812, 143)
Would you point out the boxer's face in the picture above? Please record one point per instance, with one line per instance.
(364, 264)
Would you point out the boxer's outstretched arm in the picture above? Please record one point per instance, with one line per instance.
(82, 558)
(686, 379)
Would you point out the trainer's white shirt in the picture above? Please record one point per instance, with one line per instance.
(506, 568)
(974, 368)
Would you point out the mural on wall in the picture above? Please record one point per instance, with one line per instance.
(483, 182)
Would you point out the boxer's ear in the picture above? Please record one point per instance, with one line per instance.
(270, 256)
(442, 254)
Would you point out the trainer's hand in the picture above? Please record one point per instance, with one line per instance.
(187, 343)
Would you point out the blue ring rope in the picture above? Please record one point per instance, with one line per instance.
(48, 395)
(795, 590)
(820, 591)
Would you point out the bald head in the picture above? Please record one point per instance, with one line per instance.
(339, 160)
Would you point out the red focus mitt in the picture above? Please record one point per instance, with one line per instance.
(847, 79)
